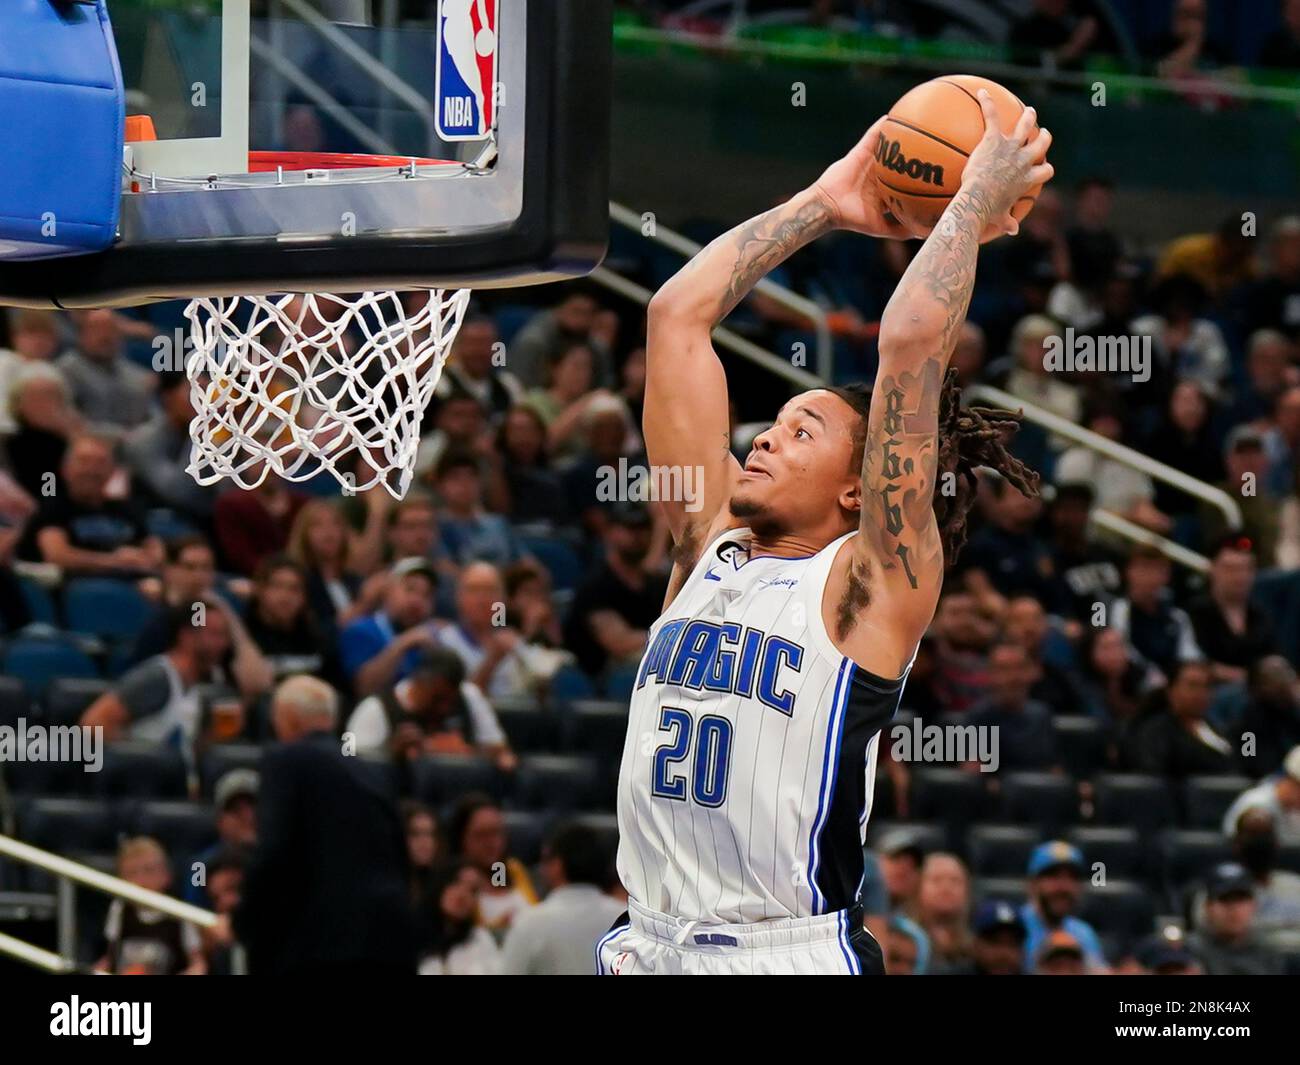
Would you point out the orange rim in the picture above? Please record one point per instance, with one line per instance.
(262, 162)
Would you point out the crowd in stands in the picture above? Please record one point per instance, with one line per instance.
(481, 636)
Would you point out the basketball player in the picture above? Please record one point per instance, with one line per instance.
(801, 589)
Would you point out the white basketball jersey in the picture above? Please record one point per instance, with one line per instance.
(750, 758)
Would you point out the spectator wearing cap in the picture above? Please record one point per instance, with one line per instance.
(235, 799)
(943, 910)
(1060, 954)
(1246, 462)
(554, 937)
(1146, 616)
(1023, 725)
(327, 888)
(1226, 941)
(1230, 630)
(901, 857)
(1056, 871)
(1163, 953)
(81, 529)
(1271, 715)
(470, 533)
(906, 948)
(158, 452)
(378, 650)
(1277, 891)
(614, 607)
(1278, 795)
(1171, 738)
(432, 709)
(998, 947)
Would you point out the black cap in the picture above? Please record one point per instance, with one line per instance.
(1228, 879)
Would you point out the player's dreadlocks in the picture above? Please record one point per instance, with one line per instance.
(969, 437)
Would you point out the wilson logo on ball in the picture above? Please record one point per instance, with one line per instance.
(889, 154)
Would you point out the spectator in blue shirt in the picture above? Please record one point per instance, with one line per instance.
(1056, 871)
(381, 649)
(469, 533)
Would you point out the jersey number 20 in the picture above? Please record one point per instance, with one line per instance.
(708, 768)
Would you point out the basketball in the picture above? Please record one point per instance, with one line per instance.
(927, 137)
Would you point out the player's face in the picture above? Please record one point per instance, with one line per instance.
(800, 470)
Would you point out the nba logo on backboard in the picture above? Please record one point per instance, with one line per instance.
(467, 68)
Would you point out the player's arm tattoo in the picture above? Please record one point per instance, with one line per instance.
(901, 456)
(763, 243)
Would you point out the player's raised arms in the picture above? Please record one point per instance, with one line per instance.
(686, 418)
(897, 561)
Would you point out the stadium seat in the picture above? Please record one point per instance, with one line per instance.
(1206, 799)
(439, 778)
(38, 660)
(572, 683)
(1000, 850)
(1082, 741)
(1143, 802)
(558, 556)
(15, 703)
(40, 604)
(109, 609)
(219, 759)
(605, 826)
(1121, 909)
(67, 698)
(620, 682)
(1119, 849)
(525, 831)
(1047, 800)
(528, 726)
(557, 782)
(141, 769)
(1008, 888)
(597, 727)
(1187, 854)
(184, 828)
(65, 825)
(953, 796)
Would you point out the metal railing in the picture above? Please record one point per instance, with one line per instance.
(70, 874)
(688, 249)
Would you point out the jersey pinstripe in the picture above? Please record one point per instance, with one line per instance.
(745, 783)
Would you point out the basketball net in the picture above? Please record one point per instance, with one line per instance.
(299, 385)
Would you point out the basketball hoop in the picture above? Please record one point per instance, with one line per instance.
(304, 384)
